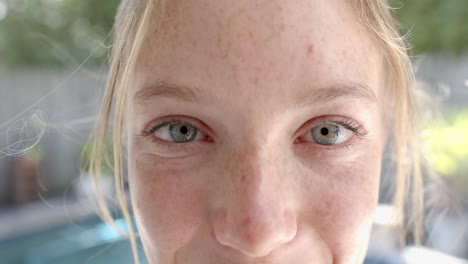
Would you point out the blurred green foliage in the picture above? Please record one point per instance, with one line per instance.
(66, 32)
(434, 25)
(446, 147)
(55, 32)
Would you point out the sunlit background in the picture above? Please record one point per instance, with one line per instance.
(52, 73)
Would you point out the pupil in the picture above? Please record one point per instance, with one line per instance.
(184, 130)
(324, 131)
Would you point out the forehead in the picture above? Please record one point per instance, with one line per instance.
(254, 49)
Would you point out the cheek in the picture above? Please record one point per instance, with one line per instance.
(167, 204)
(354, 193)
(348, 194)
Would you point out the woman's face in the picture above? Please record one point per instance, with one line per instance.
(256, 133)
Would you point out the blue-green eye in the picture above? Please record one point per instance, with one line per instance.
(178, 132)
(330, 134)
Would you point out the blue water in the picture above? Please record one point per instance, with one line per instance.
(89, 241)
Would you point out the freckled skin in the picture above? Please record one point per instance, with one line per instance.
(252, 195)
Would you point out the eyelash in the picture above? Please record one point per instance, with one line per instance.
(357, 129)
(163, 123)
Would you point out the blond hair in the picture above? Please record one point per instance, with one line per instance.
(132, 22)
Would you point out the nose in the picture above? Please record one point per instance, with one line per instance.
(256, 216)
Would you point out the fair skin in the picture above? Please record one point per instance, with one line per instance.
(250, 183)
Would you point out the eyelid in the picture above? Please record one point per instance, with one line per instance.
(343, 121)
(173, 119)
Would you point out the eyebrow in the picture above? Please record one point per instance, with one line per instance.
(165, 89)
(349, 90)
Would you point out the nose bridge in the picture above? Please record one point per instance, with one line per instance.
(253, 164)
(254, 174)
(255, 217)
(253, 178)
